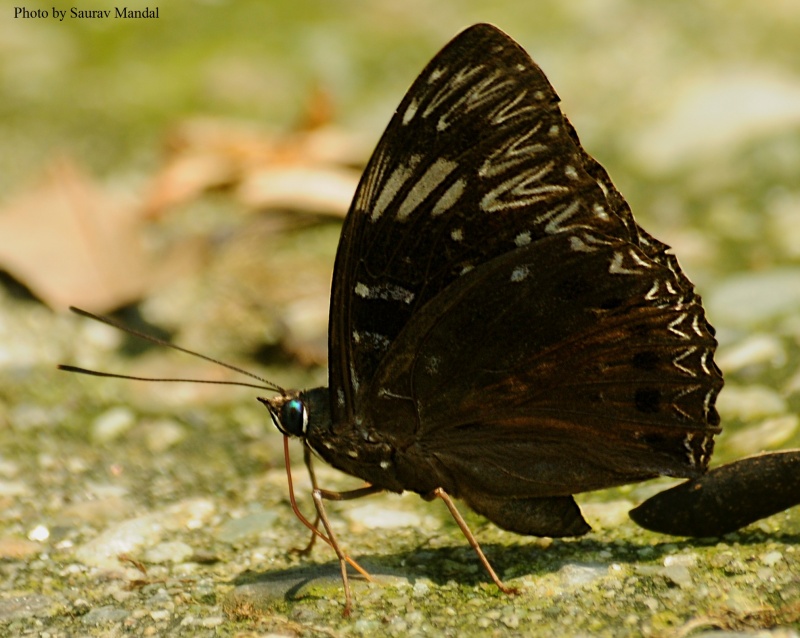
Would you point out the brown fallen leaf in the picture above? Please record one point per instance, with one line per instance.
(325, 190)
(308, 170)
(72, 243)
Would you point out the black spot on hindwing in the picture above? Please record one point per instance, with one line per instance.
(648, 400)
(645, 360)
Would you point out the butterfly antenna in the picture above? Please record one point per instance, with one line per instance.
(268, 385)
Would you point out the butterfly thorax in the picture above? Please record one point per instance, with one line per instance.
(351, 447)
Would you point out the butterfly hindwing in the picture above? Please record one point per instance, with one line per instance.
(588, 372)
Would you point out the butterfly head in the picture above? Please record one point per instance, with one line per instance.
(289, 413)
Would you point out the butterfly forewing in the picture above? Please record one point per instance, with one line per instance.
(477, 161)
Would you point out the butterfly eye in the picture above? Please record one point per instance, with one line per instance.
(294, 418)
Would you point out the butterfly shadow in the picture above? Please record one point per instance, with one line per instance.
(440, 566)
(627, 551)
(457, 563)
(437, 565)
(263, 590)
(739, 537)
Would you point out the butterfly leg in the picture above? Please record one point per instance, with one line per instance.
(332, 496)
(313, 527)
(308, 459)
(319, 496)
(462, 524)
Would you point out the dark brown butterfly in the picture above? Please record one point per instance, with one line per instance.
(501, 330)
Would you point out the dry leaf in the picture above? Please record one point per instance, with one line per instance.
(71, 243)
(317, 189)
(307, 170)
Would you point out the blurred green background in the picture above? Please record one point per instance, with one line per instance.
(693, 107)
(107, 89)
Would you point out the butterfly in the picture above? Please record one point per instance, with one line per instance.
(502, 331)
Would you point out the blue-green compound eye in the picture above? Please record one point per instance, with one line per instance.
(294, 417)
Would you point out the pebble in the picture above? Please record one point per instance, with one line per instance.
(510, 620)
(750, 402)
(133, 535)
(236, 529)
(374, 517)
(27, 606)
(162, 434)
(14, 488)
(783, 219)
(27, 416)
(576, 574)
(39, 533)
(769, 434)
(792, 385)
(168, 552)
(366, 627)
(104, 615)
(678, 574)
(8, 468)
(421, 588)
(12, 548)
(752, 299)
(160, 614)
(755, 349)
(684, 560)
(211, 621)
(771, 558)
(97, 512)
(607, 514)
(699, 123)
(112, 424)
